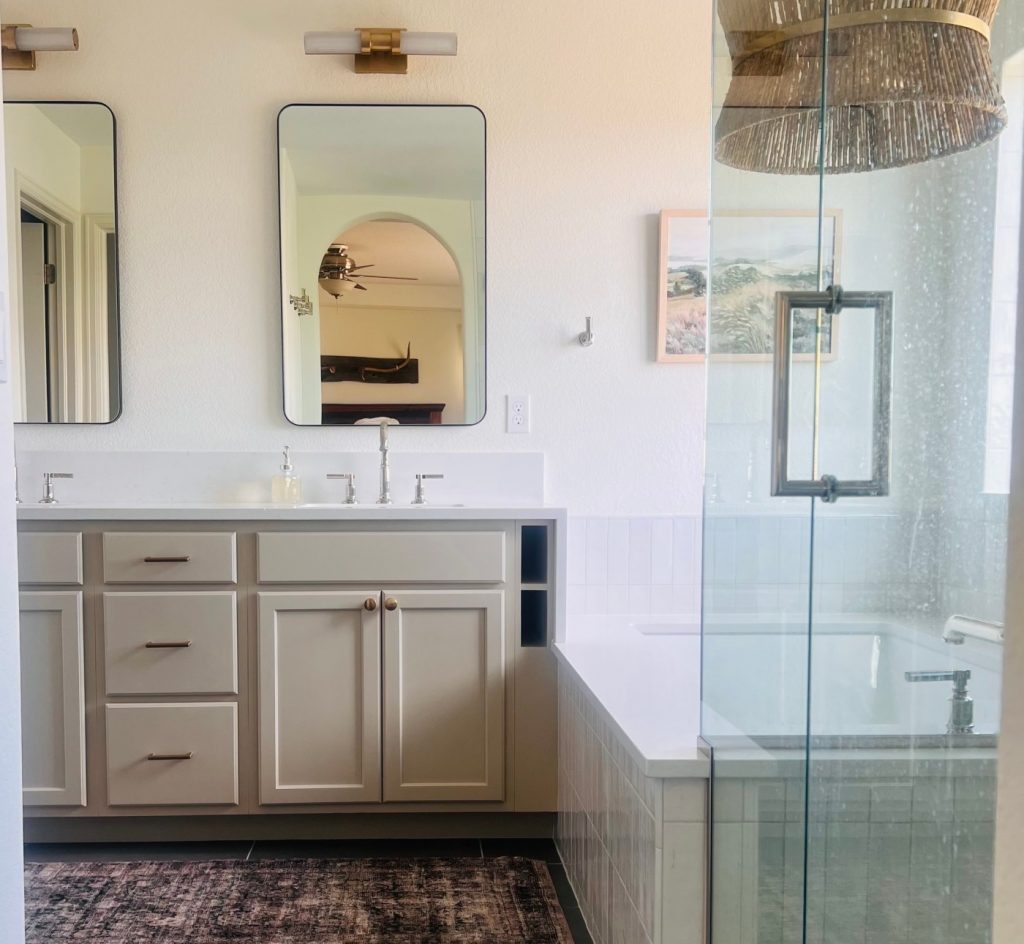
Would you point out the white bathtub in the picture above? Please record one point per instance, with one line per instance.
(754, 679)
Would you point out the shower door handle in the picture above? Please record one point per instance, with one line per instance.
(833, 301)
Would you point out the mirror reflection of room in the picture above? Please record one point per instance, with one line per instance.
(408, 328)
(65, 363)
(382, 236)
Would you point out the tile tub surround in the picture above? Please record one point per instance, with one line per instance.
(899, 849)
(634, 565)
(755, 559)
(634, 846)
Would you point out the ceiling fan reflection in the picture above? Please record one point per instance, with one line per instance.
(337, 272)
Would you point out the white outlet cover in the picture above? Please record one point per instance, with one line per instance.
(517, 413)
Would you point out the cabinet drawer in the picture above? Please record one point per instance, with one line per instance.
(382, 557)
(168, 557)
(172, 755)
(170, 643)
(48, 558)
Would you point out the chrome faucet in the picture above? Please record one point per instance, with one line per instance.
(385, 466)
(48, 496)
(961, 705)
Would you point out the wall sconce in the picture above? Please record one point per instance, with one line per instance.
(20, 43)
(302, 304)
(381, 50)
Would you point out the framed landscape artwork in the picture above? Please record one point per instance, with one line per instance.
(756, 255)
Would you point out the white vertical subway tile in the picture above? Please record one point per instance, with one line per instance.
(640, 546)
(686, 599)
(596, 600)
(639, 600)
(683, 857)
(746, 552)
(685, 550)
(663, 600)
(618, 600)
(767, 539)
(618, 552)
(721, 556)
(597, 551)
(576, 551)
(575, 600)
(661, 551)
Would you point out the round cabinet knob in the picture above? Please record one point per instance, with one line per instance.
(370, 604)
(390, 604)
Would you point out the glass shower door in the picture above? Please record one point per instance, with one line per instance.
(855, 515)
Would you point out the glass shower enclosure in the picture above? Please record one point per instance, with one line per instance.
(862, 300)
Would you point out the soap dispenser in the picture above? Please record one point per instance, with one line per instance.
(286, 487)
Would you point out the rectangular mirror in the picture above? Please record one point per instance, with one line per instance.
(383, 263)
(65, 363)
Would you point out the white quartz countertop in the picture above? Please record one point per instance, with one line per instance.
(227, 511)
(648, 687)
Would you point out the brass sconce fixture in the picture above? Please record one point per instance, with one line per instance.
(20, 43)
(381, 50)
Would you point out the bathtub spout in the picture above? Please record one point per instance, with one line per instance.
(961, 705)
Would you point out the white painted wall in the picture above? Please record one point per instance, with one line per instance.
(12, 901)
(591, 131)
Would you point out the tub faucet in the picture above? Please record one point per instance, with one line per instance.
(961, 705)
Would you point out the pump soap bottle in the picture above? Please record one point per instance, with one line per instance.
(286, 486)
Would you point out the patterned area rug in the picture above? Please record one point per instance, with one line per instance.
(350, 901)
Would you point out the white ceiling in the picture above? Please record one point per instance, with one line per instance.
(88, 125)
(400, 248)
(435, 151)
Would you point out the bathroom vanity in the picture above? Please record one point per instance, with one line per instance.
(219, 660)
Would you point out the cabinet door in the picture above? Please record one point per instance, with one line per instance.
(319, 697)
(444, 695)
(52, 699)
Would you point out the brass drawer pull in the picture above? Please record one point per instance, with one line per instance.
(169, 645)
(370, 604)
(184, 559)
(391, 604)
(185, 756)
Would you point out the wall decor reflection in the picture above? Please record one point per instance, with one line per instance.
(756, 255)
(62, 229)
(682, 288)
(383, 263)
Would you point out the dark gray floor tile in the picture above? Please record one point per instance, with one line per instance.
(566, 896)
(577, 926)
(542, 849)
(367, 849)
(134, 851)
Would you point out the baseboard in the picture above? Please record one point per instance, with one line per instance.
(298, 826)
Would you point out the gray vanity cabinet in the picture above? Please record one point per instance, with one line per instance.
(52, 698)
(444, 695)
(215, 668)
(52, 635)
(319, 704)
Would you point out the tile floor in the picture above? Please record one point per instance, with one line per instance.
(543, 849)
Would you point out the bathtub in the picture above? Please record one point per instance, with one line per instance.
(754, 681)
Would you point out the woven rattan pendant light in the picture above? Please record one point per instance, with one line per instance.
(907, 81)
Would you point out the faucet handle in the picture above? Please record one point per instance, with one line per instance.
(48, 497)
(421, 498)
(350, 489)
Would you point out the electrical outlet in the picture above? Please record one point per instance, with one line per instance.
(517, 414)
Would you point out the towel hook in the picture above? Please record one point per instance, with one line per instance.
(586, 338)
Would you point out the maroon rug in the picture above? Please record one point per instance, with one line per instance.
(318, 901)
